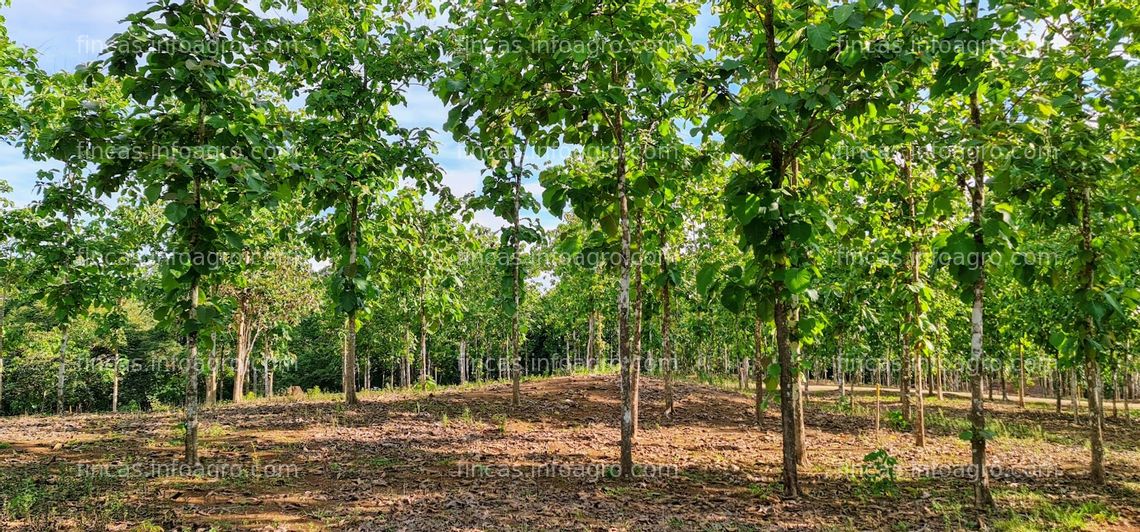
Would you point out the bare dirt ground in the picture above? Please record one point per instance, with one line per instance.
(463, 459)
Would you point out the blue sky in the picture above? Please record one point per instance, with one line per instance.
(70, 32)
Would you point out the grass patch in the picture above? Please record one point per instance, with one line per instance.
(1035, 512)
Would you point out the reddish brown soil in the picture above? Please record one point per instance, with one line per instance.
(465, 460)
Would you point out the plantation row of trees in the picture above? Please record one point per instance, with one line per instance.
(921, 194)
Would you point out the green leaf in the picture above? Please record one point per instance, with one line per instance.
(819, 36)
(797, 279)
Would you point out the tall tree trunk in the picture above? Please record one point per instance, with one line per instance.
(591, 338)
(1075, 392)
(1021, 375)
(915, 312)
(1115, 390)
(463, 362)
(1057, 383)
(516, 291)
(244, 346)
(115, 381)
(920, 418)
(666, 339)
(266, 354)
(906, 378)
(423, 345)
(3, 303)
(349, 383)
(1128, 396)
(839, 373)
(212, 378)
(761, 365)
(624, 353)
(191, 439)
(788, 378)
(62, 375)
(1092, 364)
(941, 375)
(1004, 388)
(982, 495)
(635, 364)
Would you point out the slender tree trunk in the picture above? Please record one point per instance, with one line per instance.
(423, 345)
(878, 402)
(3, 303)
(635, 369)
(666, 339)
(61, 377)
(906, 378)
(244, 345)
(463, 362)
(761, 366)
(115, 381)
(591, 338)
(1115, 390)
(1092, 364)
(1128, 396)
(1004, 392)
(624, 353)
(516, 293)
(788, 379)
(1075, 392)
(915, 313)
(787, 407)
(212, 378)
(1057, 384)
(191, 439)
(1021, 375)
(349, 383)
(266, 354)
(920, 418)
(982, 496)
(941, 383)
(839, 370)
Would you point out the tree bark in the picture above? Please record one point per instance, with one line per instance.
(1021, 375)
(211, 380)
(591, 338)
(3, 303)
(982, 496)
(635, 369)
(266, 354)
(62, 376)
(463, 362)
(1057, 383)
(1075, 392)
(349, 383)
(244, 346)
(666, 339)
(624, 353)
(115, 381)
(1092, 364)
(516, 292)
(191, 440)
(761, 365)
(423, 344)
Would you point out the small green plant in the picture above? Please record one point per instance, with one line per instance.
(843, 405)
(896, 420)
(467, 417)
(877, 474)
(215, 431)
(501, 422)
(19, 502)
(444, 420)
(313, 393)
